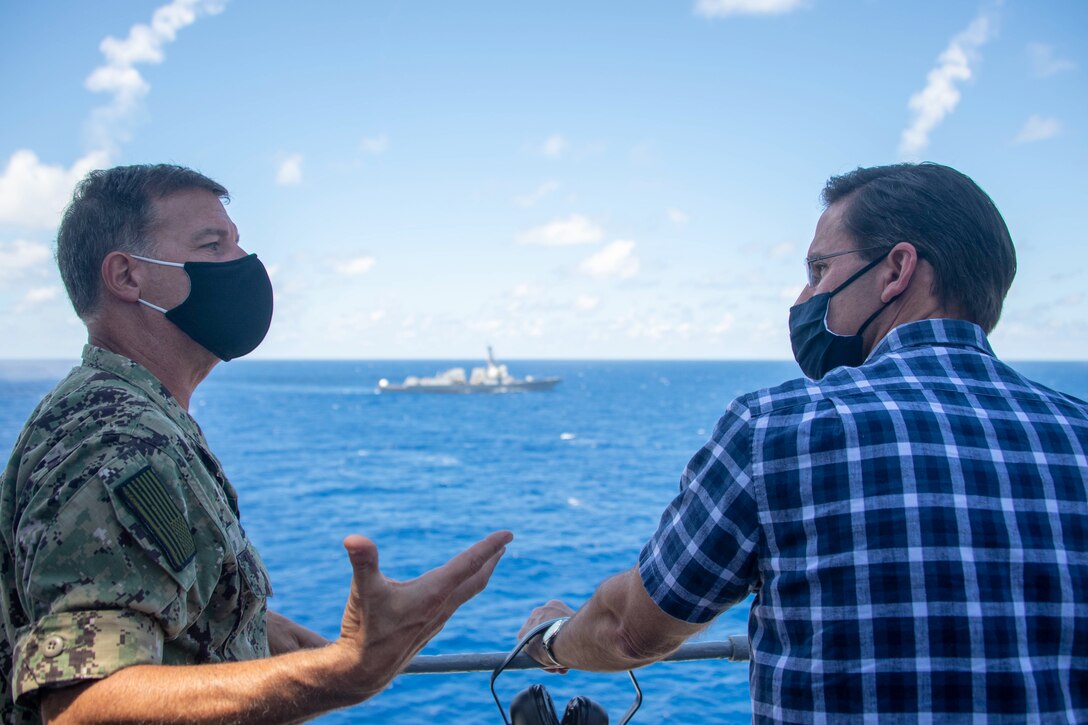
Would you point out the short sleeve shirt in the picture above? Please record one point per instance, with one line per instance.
(121, 540)
(915, 532)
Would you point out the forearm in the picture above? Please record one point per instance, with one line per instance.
(385, 624)
(282, 689)
(619, 628)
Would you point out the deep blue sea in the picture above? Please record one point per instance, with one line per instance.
(579, 474)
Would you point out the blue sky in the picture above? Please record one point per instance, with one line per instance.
(556, 179)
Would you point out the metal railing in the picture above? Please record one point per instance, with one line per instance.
(734, 649)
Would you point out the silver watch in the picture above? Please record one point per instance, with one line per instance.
(549, 636)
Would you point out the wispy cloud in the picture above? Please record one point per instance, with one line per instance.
(725, 8)
(782, 249)
(289, 172)
(575, 229)
(1038, 128)
(586, 303)
(724, 325)
(676, 216)
(554, 146)
(37, 296)
(657, 329)
(1044, 61)
(941, 94)
(119, 77)
(374, 145)
(356, 266)
(534, 197)
(615, 260)
(19, 257)
(789, 294)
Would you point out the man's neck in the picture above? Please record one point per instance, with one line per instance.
(913, 312)
(175, 371)
(917, 302)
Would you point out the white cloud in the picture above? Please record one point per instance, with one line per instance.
(34, 194)
(36, 297)
(554, 146)
(655, 329)
(533, 197)
(586, 303)
(375, 144)
(941, 95)
(724, 325)
(676, 216)
(725, 8)
(781, 250)
(290, 171)
(355, 267)
(1038, 128)
(575, 229)
(491, 325)
(20, 256)
(790, 294)
(1045, 63)
(347, 323)
(119, 78)
(615, 260)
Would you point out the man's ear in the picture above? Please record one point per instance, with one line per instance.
(900, 266)
(117, 277)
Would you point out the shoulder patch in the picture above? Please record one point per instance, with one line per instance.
(146, 496)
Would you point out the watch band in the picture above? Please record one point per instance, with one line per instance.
(549, 637)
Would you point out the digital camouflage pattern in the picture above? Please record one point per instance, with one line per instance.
(121, 543)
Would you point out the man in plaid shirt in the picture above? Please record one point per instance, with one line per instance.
(913, 519)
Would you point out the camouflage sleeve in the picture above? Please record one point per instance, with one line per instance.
(70, 647)
(109, 574)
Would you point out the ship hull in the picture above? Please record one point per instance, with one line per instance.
(521, 386)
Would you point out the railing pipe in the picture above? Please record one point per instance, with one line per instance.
(734, 649)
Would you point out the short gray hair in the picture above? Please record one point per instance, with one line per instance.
(111, 211)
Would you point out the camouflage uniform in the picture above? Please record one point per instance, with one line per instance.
(121, 540)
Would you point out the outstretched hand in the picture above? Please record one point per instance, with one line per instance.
(387, 622)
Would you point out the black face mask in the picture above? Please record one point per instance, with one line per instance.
(229, 307)
(817, 349)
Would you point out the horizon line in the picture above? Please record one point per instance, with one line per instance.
(57, 360)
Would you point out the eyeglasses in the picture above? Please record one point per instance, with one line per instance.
(814, 277)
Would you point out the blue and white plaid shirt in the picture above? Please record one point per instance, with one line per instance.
(915, 531)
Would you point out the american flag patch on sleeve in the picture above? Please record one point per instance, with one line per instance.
(146, 496)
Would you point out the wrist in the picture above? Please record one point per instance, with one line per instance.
(348, 673)
(548, 639)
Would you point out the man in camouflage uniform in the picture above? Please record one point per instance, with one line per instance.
(122, 547)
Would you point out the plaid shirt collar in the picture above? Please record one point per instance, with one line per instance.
(926, 333)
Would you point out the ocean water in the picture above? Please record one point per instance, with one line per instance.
(579, 474)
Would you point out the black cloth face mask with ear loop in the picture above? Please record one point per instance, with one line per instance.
(817, 349)
(229, 307)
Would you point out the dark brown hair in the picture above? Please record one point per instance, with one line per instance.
(952, 223)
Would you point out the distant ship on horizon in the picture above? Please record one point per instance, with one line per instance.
(493, 378)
